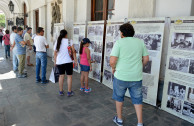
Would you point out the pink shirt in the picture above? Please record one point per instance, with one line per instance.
(84, 59)
(6, 39)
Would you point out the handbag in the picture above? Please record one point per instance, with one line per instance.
(70, 51)
(54, 77)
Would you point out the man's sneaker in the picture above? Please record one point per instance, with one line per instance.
(38, 81)
(69, 94)
(115, 120)
(82, 89)
(22, 76)
(88, 90)
(61, 93)
(45, 82)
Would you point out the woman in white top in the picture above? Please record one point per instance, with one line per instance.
(64, 62)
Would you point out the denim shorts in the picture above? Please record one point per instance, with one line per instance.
(135, 90)
(85, 68)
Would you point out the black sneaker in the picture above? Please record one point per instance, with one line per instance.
(45, 82)
(22, 76)
(38, 81)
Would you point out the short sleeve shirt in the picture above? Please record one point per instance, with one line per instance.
(40, 43)
(21, 49)
(129, 52)
(63, 55)
(27, 37)
(12, 39)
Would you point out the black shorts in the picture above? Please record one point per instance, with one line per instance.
(65, 68)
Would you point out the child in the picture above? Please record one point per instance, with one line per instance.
(85, 64)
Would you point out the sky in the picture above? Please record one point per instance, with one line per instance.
(1, 12)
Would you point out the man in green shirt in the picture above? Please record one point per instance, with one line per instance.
(128, 57)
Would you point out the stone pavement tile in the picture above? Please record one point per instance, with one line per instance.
(2, 118)
(60, 119)
(185, 123)
(81, 124)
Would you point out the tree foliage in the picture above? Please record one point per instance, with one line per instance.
(2, 20)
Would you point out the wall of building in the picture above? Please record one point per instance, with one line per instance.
(173, 8)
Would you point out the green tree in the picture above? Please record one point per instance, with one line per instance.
(2, 20)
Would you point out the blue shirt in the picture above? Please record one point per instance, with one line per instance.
(21, 49)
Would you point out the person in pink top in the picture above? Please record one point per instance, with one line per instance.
(6, 39)
(85, 64)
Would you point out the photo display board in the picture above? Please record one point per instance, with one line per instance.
(79, 33)
(178, 93)
(151, 31)
(56, 32)
(95, 32)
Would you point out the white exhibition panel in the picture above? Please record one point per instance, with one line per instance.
(150, 30)
(178, 92)
(79, 32)
(95, 32)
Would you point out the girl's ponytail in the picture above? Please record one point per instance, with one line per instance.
(81, 48)
(62, 35)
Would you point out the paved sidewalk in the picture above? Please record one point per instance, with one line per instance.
(25, 103)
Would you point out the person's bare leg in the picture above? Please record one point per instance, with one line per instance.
(138, 109)
(119, 107)
(61, 81)
(69, 82)
(86, 79)
(28, 60)
(82, 79)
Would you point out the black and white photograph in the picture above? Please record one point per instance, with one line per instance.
(97, 47)
(109, 46)
(174, 104)
(117, 33)
(110, 30)
(188, 109)
(144, 92)
(179, 64)
(191, 67)
(76, 46)
(147, 68)
(182, 41)
(81, 38)
(152, 41)
(107, 75)
(99, 30)
(97, 58)
(76, 31)
(96, 74)
(91, 30)
(190, 95)
(176, 90)
(107, 62)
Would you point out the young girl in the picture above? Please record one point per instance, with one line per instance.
(85, 64)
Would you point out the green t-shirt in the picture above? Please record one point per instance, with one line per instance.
(129, 65)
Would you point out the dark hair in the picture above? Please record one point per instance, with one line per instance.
(29, 28)
(7, 31)
(19, 29)
(1, 30)
(83, 42)
(127, 30)
(39, 29)
(81, 47)
(62, 35)
(14, 28)
(26, 26)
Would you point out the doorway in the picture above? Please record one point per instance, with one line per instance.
(37, 19)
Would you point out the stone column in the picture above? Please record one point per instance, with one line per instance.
(68, 16)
